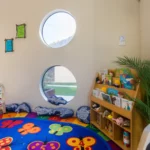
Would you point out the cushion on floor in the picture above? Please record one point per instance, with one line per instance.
(44, 111)
(11, 107)
(83, 114)
(63, 112)
(57, 100)
(24, 107)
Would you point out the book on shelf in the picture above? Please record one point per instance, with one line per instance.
(126, 104)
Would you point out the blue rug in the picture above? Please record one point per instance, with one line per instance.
(36, 134)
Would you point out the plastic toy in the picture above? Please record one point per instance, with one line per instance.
(117, 83)
(95, 106)
(120, 94)
(110, 116)
(126, 123)
(106, 113)
(104, 89)
(108, 80)
(108, 127)
(98, 80)
(126, 139)
(119, 121)
(111, 73)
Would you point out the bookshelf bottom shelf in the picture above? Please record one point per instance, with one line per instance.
(118, 142)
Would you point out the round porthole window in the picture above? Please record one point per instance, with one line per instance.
(58, 85)
(57, 29)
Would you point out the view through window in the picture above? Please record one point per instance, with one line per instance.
(58, 29)
(59, 81)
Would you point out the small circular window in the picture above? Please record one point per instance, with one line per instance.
(57, 29)
(58, 85)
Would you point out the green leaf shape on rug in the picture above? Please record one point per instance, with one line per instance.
(93, 128)
(103, 136)
(43, 117)
(59, 129)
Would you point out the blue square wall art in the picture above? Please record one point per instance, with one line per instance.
(8, 45)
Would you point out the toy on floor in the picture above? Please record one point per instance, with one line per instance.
(126, 138)
(83, 114)
(24, 107)
(119, 121)
(44, 111)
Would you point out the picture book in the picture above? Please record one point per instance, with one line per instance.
(100, 95)
(95, 92)
(112, 91)
(127, 81)
(116, 101)
(106, 97)
(126, 104)
(120, 71)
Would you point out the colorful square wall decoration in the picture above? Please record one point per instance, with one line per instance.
(21, 31)
(8, 45)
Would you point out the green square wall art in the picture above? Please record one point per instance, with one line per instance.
(21, 31)
(8, 45)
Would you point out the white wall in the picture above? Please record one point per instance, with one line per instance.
(116, 18)
(145, 28)
(95, 45)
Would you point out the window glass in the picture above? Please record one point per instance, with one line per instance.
(59, 81)
(58, 29)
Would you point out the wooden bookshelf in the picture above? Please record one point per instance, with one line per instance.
(136, 122)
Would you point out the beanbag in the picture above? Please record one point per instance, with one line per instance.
(63, 112)
(148, 147)
(57, 100)
(83, 114)
(24, 107)
(44, 111)
(11, 107)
